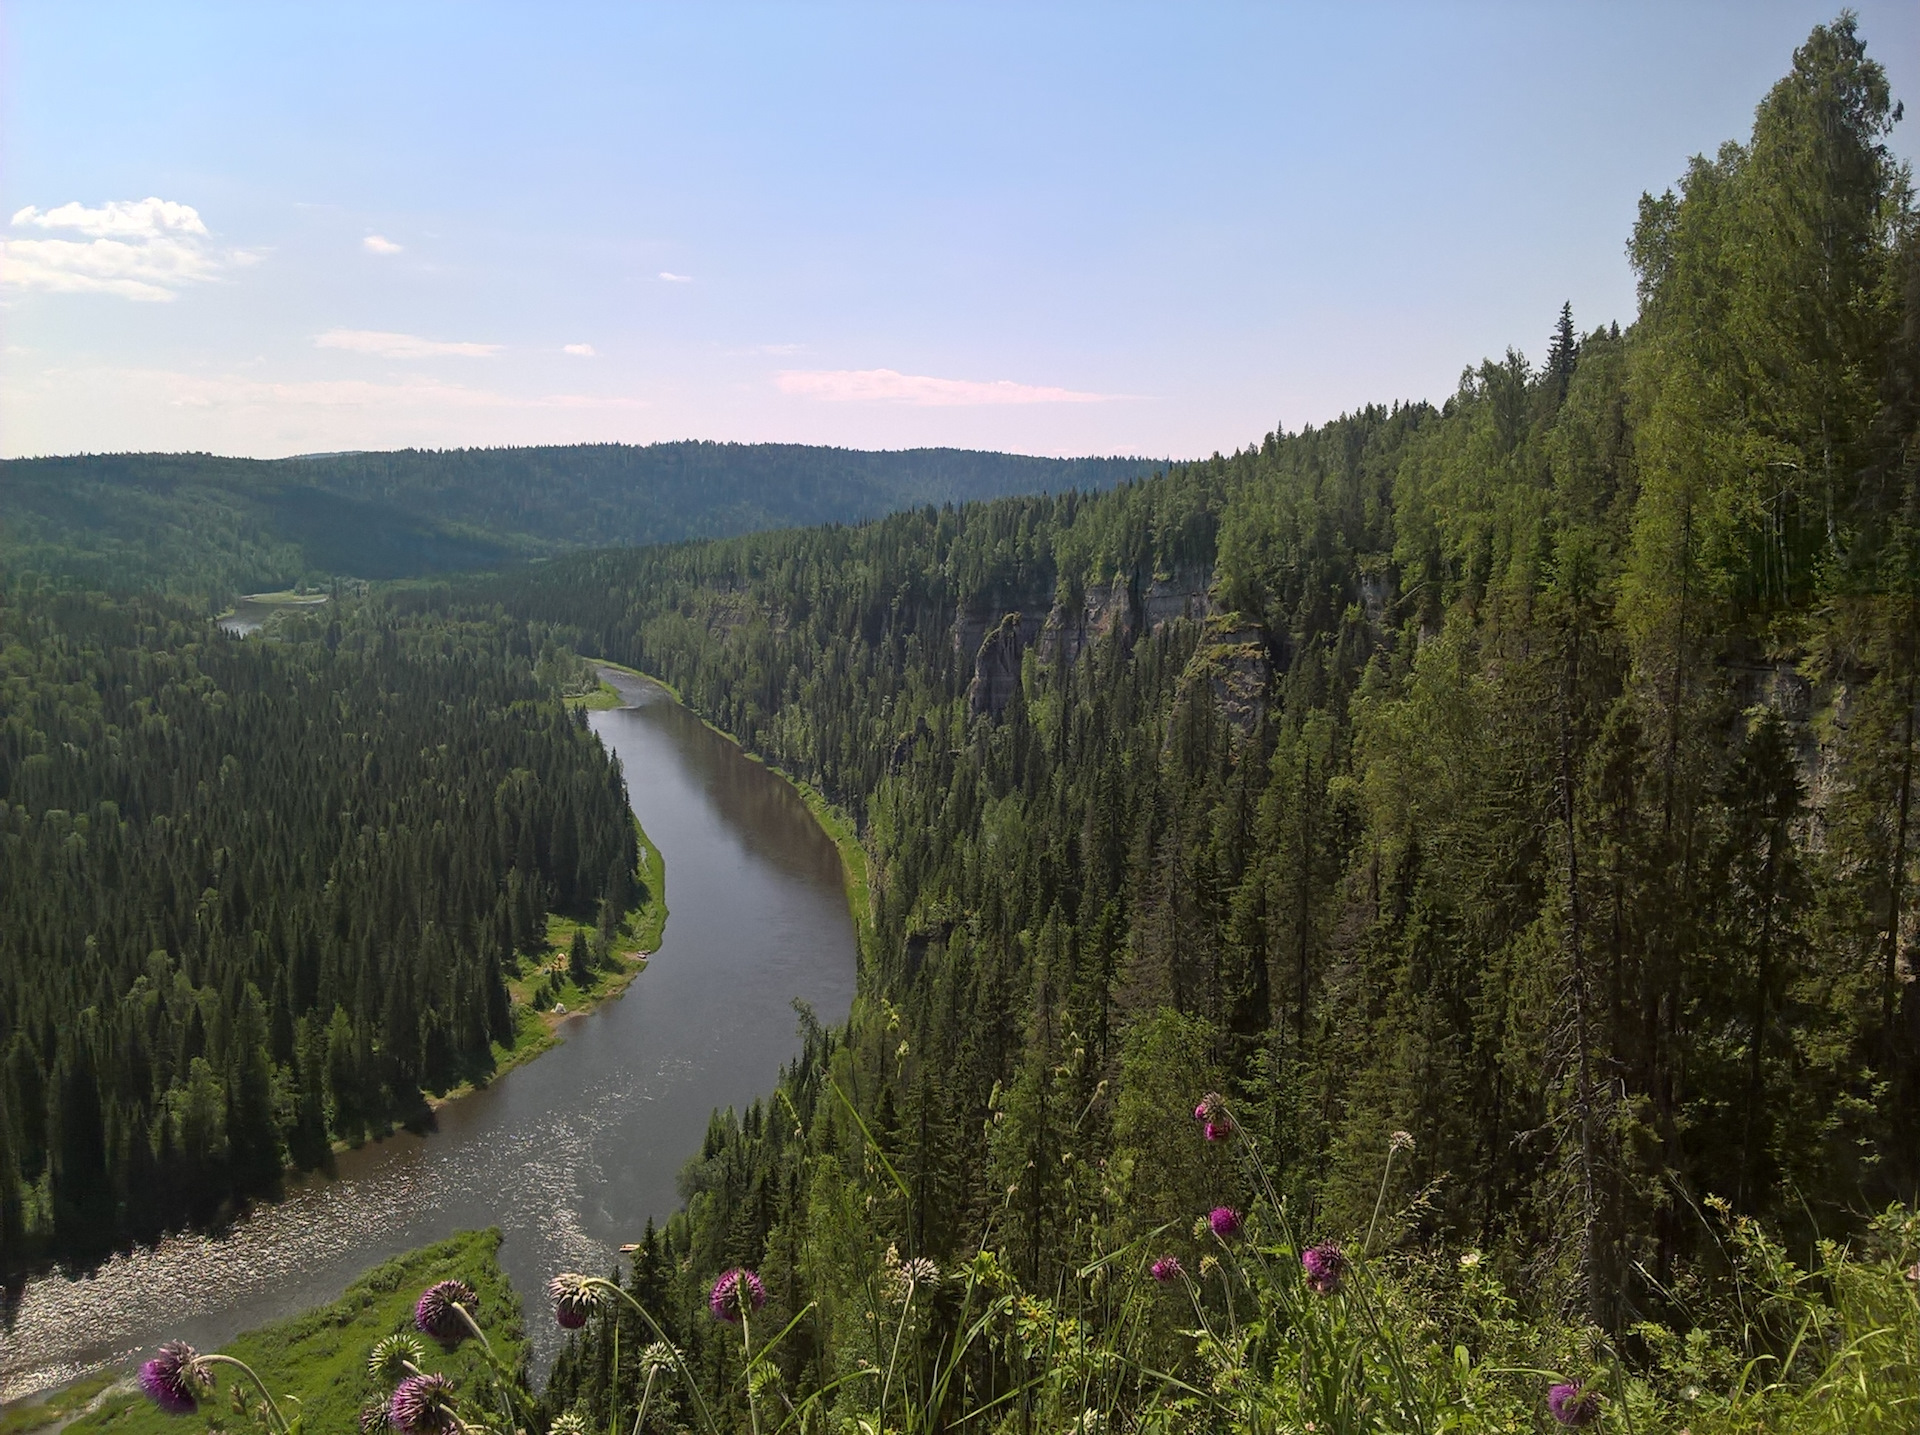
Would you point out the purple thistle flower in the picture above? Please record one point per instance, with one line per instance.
(1225, 1222)
(573, 1300)
(1167, 1269)
(1211, 1113)
(434, 1313)
(1325, 1265)
(1570, 1405)
(173, 1379)
(734, 1294)
(423, 1405)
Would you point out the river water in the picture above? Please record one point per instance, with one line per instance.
(569, 1154)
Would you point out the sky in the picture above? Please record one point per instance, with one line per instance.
(1157, 230)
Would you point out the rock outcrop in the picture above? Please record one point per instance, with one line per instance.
(1234, 664)
(996, 668)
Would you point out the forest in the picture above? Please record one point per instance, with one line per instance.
(1503, 809)
(1407, 926)
(258, 897)
(202, 526)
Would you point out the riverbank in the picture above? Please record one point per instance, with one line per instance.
(834, 821)
(581, 1148)
(537, 1022)
(319, 1357)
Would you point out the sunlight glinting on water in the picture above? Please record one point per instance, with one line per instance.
(569, 1155)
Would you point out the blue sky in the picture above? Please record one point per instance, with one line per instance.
(1046, 228)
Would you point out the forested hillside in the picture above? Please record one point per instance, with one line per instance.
(201, 525)
(1530, 777)
(256, 897)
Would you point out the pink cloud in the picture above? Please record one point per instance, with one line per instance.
(920, 390)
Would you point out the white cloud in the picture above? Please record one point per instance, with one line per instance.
(584, 351)
(920, 390)
(117, 218)
(676, 278)
(399, 346)
(380, 244)
(144, 249)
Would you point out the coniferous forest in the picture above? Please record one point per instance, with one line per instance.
(1506, 806)
(1361, 928)
(200, 525)
(256, 897)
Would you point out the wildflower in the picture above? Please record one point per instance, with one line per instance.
(1224, 1221)
(734, 1294)
(1325, 1265)
(423, 1405)
(434, 1312)
(1570, 1405)
(1470, 1259)
(1167, 1269)
(1913, 1273)
(1211, 1113)
(570, 1423)
(1209, 1267)
(174, 1379)
(1400, 1141)
(376, 1419)
(395, 1357)
(919, 1271)
(658, 1356)
(573, 1300)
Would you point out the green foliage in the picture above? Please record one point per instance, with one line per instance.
(316, 1363)
(258, 896)
(206, 526)
(1532, 775)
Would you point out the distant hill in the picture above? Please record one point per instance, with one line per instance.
(198, 523)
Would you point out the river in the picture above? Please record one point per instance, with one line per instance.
(569, 1154)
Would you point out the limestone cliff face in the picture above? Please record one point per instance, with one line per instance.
(1129, 606)
(1234, 666)
(1071, 629)
(996, 668)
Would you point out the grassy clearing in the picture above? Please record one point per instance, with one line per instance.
(320, 1357)
(599, 700)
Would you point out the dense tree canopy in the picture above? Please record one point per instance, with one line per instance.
(202, 525)
(256, 896)
(1531, 775)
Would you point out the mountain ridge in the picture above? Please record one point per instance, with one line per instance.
(205, 524)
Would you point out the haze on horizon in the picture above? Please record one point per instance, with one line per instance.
(1064, 230)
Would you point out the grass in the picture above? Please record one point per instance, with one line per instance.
(58, 1408)
(599, 700)
(853, 855)
(320, 1357)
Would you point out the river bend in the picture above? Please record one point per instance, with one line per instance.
(569, 1154)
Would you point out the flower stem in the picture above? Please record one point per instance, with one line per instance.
(493, 1364)
(1379, 1200)
(279, 1420)
(693, 1386)
(746, 1350)
(646, 1394)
